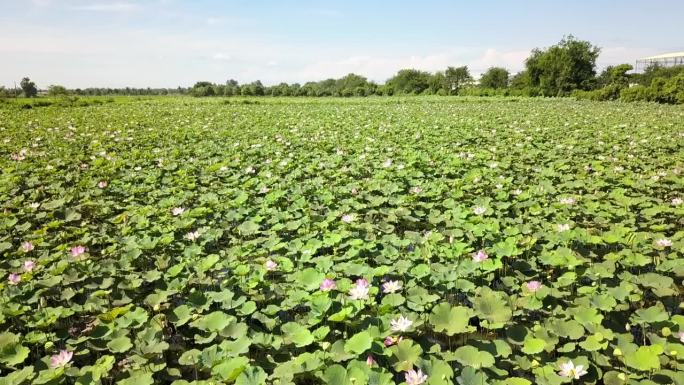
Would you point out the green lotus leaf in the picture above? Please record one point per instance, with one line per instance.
(405, 354)
(230, 369)
(358, 343)
(213, 322)
(645, 358)
(253, 375)
(12, 353)
(491, 306)
(297, 334)
(451, 320)
(533, 345)
(471, 356)
(120, 344)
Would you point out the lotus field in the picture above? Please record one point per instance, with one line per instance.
(345, 242)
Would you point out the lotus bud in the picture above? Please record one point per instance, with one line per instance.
(627, 327)
(666, 332)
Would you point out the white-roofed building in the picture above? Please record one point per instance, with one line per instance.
(664, 60)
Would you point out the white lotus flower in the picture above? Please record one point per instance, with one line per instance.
(479, 210)
(176, 211)
(563, 227)
(569, 370)
(677, 201)
(348, 218)
(415, 377)
(664, 242)
(193, 235)
(400, 324)
(391, 287)
(359, 290)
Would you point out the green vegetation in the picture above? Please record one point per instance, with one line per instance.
(422, 240)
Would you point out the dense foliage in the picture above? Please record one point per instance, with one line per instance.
(377, 241)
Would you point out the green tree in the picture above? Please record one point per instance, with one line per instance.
(408, 81)
(495, 77)
(615, 76)
(564, 67)
(28, 87)
(456, 78)
(57, 90)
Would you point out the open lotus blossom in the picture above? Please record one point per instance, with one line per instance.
(533, 286)
(681, 337)
(34, 205)
(328, 284)
(415, 377)
(391, 287)
(193, 235)
(27, 247)
(664, 242)
(61, 360)
(479, 210)
(563, 227)
(387, 163)
(370, 360)
(391, 340)
(77, 251)
(250, 170)
(264, 190)
(29, 265)
(270, 265)
(176, 211)
(677, 201)
(569, 370)
(14, 279)
(416, 190)
(568, 201)
(517, 191)
(360, 290)
(480, 256)
(348, 218)
(102, 184)
(400, 324)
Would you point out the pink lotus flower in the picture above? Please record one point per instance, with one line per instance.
(102, 184)
(480, 256)
(360, 290)
(270, 265)
(29, 265)
(391, 340)
(533, 286)
(664, 242)
(391, 287)
(681, 337)
(62, 359)
(77, 251)
(176, 211)
(416, 190)
(414, 377)
(14, 279)
(27, 247)
(370, 361)
(479, 210)
(328, 284)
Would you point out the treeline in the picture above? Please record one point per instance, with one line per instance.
(564, 69)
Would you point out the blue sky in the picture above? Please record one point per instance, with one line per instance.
(167, 43)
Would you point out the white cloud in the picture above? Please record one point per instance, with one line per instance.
(222, 56)
(108, 7)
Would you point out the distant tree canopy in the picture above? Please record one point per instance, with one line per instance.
(495, 77)
(28, 87)
(57, 90)
(564, 67)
